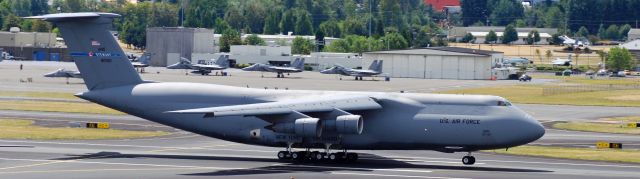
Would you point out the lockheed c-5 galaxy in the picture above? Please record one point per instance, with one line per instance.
(325, 121)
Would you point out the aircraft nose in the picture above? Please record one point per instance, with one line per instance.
(532, 129)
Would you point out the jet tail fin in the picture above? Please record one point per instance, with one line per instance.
(223, 61)
(373, 65)
(378, 66)
(298, 63)
(94, 49)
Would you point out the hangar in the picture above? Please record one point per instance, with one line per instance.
(437, 63)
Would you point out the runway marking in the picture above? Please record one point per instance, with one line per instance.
(221, 145)
(138, 146)
(61, 120)
(95, 170)
(54, 162)
(218, 168)
(527, 162)
(398, 176)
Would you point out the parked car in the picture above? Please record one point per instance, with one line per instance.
(525, 78)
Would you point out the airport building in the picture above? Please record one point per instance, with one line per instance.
(633, 47)
(39, 46)
(167, 44)
(633, 34)
(480, 33)
(437, 63)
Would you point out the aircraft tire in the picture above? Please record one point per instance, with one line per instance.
(317, 156)
(283, 155)
(351, 157)
(335, 157)
(468, 160)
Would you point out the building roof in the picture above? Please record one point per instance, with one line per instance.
(634, 32)
(443, 51)
(632, 45)
(499, 34)
(461, 31)
(440, 4)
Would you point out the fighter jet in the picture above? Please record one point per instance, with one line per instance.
(326, 125)
(141, 62)
(62, 73)
(296, 67)
(374, 69)
(580, 43)
(562, 61)
(516, 61)
(203, 67)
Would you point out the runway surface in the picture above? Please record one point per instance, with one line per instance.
(186, 155)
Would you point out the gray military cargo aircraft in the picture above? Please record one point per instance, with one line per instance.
(374, 69)
(296, 67)
(325, 120)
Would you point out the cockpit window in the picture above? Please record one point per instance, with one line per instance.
(504, 103)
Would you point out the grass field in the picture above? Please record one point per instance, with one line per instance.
(609, 155)
(587, 81)
(51, 106)
(24, 129)
(532, 94)
(624, 119)
(619, 128)
(30, 94)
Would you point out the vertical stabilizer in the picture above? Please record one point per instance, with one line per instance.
(298, 64)
(94, 49)
(378, 67)
(372, 67)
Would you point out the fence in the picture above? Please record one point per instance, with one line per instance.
(567, 89)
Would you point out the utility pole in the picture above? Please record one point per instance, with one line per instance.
(370, 20)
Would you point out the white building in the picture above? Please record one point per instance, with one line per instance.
(633, 34)
(522, 37)
(251, 54)
(323, 60)
(437, 63)
(274, 40)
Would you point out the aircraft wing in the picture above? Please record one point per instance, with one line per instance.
(312, 104)
(207, 67)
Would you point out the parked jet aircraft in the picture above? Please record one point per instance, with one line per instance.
(581, 43)
(374, 69)
(141, 62)
(203, 68)
(62, 73)
(327, 120)
(516, 61)
(562, 62)
(296, 67)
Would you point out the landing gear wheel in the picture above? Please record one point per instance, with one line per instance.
(299, 156)
(317, 156)
(282, 155)
(335, 157)
(468, 160)
(352, 157)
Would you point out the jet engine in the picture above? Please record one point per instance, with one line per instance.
(345, 124)
(306, 127)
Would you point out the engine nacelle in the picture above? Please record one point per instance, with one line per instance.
(345, 124)
(306, 127)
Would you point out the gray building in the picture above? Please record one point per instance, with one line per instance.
(27, 39)
(437, 63)
(480, 32)
(633, 34)
(167, 44)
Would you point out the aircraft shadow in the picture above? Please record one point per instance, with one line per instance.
(368, 162)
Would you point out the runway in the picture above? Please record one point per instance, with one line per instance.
(186, 155)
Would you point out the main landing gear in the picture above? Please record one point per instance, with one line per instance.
(316, 156)
(469, 159)
(280, 75)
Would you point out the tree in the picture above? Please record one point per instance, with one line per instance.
(555, 39)
(301, 45)
(548, 54)
(10, 21)
(229, 37)
(613, 32)
(530, 38)
(331, 28)
(253, 39)
(467, 38)
(255, 13)
(394, 41)
(536, 37)
(39, 7)
(602, 33)
(473, 11)
(200, 13)
(320, 40)
(423, 39)
(40, 26)
(510, 35)
(619, 59)
(288, 22)
(271, 24)
(583, 32)
(303, 24)
(221, 25)
(492, 37)
(624, 31)
(506, 12)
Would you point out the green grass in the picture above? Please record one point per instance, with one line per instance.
(29, 94)
(608, 155)
(624, 119)
(24, 129)
(532, 94)
(596, 81)
(597, 127)
(51, 106)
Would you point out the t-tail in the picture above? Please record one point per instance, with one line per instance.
(94, 49)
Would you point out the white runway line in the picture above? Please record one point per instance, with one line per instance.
(396, 176)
